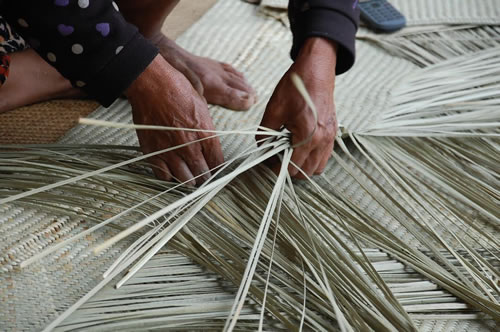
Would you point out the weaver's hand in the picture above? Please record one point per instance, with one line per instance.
(163, 96)
(315, 64)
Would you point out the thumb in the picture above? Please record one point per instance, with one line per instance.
(271, 119)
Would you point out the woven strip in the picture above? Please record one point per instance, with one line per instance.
(277, 4)
(171, 277)
(430, 44)
(424, 12)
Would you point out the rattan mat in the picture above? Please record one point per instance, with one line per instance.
(44, 122)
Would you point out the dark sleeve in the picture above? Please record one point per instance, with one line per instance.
(87, 41)
(336, 20)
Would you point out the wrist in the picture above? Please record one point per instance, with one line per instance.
(151, 79)
(316, 63)
(319, 54)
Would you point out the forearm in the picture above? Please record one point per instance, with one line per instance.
(336, 21)
(151, 80)
(318, 56)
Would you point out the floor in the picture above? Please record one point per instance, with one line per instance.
(184, 15)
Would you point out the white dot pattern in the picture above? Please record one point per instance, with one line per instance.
(51, 57)
(83, 3)
(77, 49)
(22, 22)
(116, 6)
(118, 49)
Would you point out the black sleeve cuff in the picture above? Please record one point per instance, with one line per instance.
(115, 77)
(329, 24)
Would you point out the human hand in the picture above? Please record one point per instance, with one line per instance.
(315, 65)
(163, 96)
(220, 83)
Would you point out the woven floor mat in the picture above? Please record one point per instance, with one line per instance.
(258, 46)
(44, 122)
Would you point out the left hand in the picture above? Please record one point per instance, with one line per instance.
(315, 65)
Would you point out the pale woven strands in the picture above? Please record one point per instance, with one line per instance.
(382, 192)
(426, 45)
(428, 12)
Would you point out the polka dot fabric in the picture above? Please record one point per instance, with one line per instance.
(87, 41)
(10, 41)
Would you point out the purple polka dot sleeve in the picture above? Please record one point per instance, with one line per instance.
(87, 41)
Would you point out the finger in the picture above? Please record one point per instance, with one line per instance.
(239, 83)
(327, 153)
(322, 165)
(274, 164)
(160, 168)
(299, 158)
(179, 168)
(198, 165)
(303, 142)
(227, 67)
(212, 151)
(276, 167)
(270, 120)
(245, 88)
(311, 164)
(303, 133)
(237, 99)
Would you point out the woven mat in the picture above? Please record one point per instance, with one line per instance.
(259, 46)
(44, 122)
(256, 45)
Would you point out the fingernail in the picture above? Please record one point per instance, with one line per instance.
(243, 95)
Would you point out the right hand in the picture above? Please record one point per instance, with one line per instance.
(163, 96)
